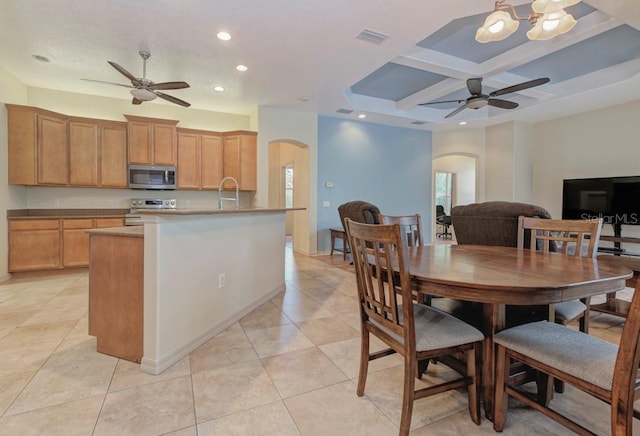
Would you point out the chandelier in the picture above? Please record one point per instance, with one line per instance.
(547, 18)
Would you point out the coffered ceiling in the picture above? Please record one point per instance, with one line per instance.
(307, 55)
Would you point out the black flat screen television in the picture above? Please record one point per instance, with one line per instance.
(614, 199)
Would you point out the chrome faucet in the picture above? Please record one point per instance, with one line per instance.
(221, 198)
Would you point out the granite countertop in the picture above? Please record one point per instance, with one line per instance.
(131, 231)
(215, 211)
(29, 214)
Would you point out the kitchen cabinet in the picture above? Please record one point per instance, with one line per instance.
(152, 141)
(113, 155)
(54, 243)
(75, 242)
(83, 153)
(116, 295)
(200, 159)
(240, 159)
(37, 146)
(34, 245)
(97, 153)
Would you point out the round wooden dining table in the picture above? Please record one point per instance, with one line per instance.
(500, 276)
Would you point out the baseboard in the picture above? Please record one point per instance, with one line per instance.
(155, 367)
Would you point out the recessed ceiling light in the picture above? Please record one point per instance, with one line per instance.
(303, 98)
(218, 88)
(241, 68)
(462, 123)
(223, 36)
(361, 116)
(40, 58)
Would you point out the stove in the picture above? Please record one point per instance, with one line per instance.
(134, 219)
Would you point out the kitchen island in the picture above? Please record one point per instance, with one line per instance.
(203, 270)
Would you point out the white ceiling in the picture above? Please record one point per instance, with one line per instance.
(308, 49)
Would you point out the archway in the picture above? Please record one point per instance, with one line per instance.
(460, 172)
(289, 186)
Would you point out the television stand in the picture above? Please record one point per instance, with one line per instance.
(620, 256)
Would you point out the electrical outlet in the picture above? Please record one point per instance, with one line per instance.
(56, 203)
(221, 280)
(110, 203)
(187, 203)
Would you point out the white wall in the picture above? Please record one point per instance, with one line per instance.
(600, 143)
(92, 106)
(278, 125)
(11, 197)
(499, 166)
(523, 162)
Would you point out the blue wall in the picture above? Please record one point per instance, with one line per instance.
(387, 166)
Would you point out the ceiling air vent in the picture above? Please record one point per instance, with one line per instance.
(372, 37)
(344, 111)
(418, 123)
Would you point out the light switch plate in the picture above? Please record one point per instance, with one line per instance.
(326, 204)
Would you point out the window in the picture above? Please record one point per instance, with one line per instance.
(288, 185)
(443, 190)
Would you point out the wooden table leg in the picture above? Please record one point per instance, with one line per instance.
(493, 320)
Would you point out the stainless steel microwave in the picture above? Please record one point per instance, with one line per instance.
(152, 177)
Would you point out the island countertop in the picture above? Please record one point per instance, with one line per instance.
(215, 211)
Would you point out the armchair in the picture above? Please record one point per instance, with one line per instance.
(360, 212)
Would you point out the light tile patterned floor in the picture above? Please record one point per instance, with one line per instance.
(288, 368)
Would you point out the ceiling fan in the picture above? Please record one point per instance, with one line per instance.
(478, 99)
(143, 88)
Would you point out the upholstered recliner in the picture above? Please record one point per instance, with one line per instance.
(360, 212)
(496, 223)
(492, 222)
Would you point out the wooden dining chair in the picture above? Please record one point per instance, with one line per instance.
(415, 331)
(410, 227)
(595, 366)
(570, 237)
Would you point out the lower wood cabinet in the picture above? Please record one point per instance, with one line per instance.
(34, 245)
(116, 295)
(75, 242)
(46, 244)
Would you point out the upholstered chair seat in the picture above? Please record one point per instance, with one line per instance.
(586, 357)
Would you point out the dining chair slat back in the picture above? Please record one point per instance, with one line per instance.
(571, 237)
(410, 225)
(415, 331)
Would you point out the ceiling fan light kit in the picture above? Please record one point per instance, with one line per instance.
(547, 17)
(143, 94)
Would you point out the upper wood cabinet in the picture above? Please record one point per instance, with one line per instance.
(97, 153)
(240, 159)
(113, 155)
(199, 159)
(152, 141)
(38, 146)
(84, 138)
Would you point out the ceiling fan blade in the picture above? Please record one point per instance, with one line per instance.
(108, 83)
(136, 101)
(455, 112)
(172, 99)
(169, 85)
(437, 102)
(503, 104)
(125, 73)
(520, 86)
(475, 86)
